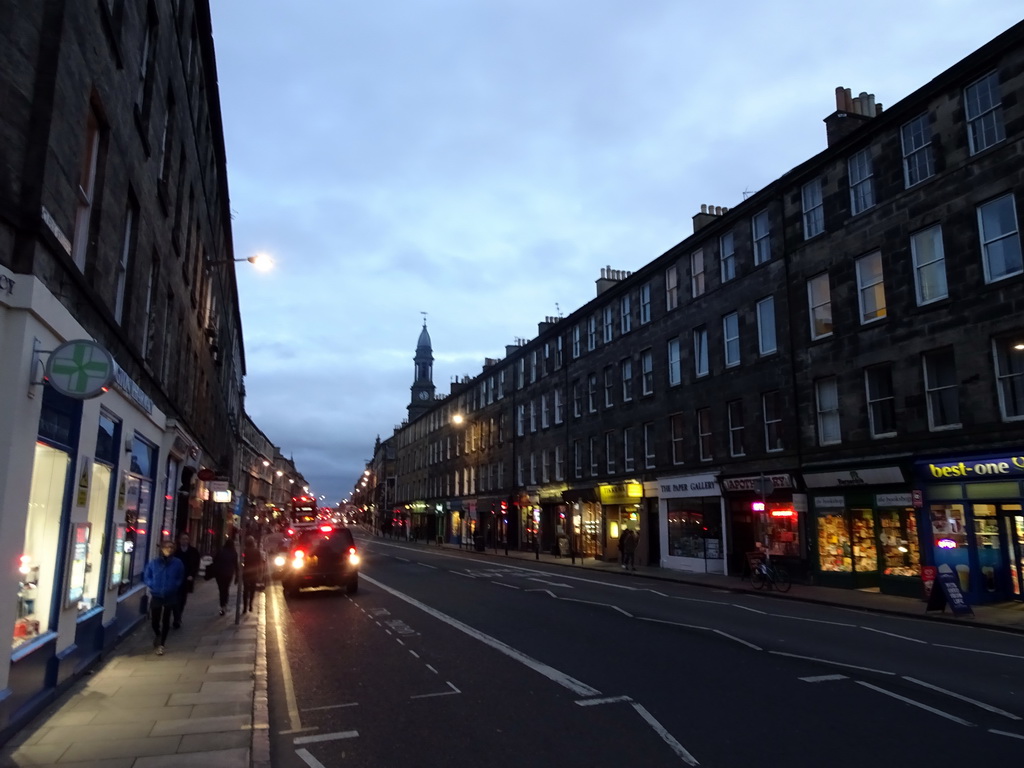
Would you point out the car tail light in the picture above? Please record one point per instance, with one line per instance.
(352, 556)
(291, 531)
(326, 528)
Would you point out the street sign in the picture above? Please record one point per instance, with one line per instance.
(81, 369)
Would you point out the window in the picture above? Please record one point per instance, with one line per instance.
(626, 367)
(501, 383)
(984, 113)
(577, 399)
(814, 212)
(625, 314)
(123, 264)
(592, 393)
(144, 86)
(704, 433)
(761, 234)
(591, 333)
(649, 454)
(676, 427)
(86, 190)
(645, 304)
(771, 406)
(766, 342)
(533, 415)
(929, 265)
(697, 273)
(609, 320)
(559, 352)
(647, 372)
(559, 415)
(918, 158)
(870, 288)
(545, 412)
(520, 373)
(575, 342)
(609, 386)
(826, 392)
(593, 456)
(1000, 240)
(819, 301)
(533, 366)
(881, 400)
(149, 324)
(545, 466)
(546, 367)
(609, 453)
(628, 458)
(559, 463)
(727, 256)
(862, 181)
(521, 419)
(671, 287)
(735, 413)
(577, 458)
(731, 339)
(1009, 355)
(675, 373)
(940, 386)
(700, 351)
(533, 468)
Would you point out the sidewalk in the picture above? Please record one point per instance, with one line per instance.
(1005, 616)
(204, 702)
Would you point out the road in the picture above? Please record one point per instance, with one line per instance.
(454, 659)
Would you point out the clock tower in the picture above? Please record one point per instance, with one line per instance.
(423, 381)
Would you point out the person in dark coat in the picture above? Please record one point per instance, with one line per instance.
(163, 575)
(253, 567)
(225, 570)
(189, 557)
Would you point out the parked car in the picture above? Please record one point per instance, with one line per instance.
(325, 556)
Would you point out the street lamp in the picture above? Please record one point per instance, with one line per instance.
(261, 261)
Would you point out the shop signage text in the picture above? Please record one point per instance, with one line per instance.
(893, 500)
(621, 493)
(854, 478)
(695, 485)
(732, 484)
(6, 285)
(1002, 466)
(125, 383)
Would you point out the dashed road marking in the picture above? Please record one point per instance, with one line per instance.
(326, 737)
(1006, 733)
(833, 663)
(893, 634)
(913, 703)
(431, 669)
(976, 703)
(307, 757)
(605, 700)
(738, 640)
(822, 678)
(452, 692)
(332, 706)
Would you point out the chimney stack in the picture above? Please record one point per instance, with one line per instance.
(708, 213)
(851, 112)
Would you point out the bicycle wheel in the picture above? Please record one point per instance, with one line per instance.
(782, 582)
(757, 579)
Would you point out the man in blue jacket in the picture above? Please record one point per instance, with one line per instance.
(164, 576)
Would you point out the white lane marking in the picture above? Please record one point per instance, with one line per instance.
(414, 654)
(976, 703)
(738, 640)
(556, 676)
(698, 600)
(307, 757)
(387, 631)
(460, 573)
(544, 592)
(432, 567)
(403, 559)
(913, 703)
(744, 608)
(431, 669)
(594, 602)
(294, 721)
(814, 621)
(399, 641)
(821, 678)
(552, 583)
(656, 592)
(667, 737)
(325, 737)
(671, 623)
(977, 650)
(503, 584)
(893, 634)
(605, 700)
(833, 663)
(332, 706)
(1006, 733)
(452, 692)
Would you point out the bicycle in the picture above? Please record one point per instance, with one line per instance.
(765, 574)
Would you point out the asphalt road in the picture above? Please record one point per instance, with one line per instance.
(450, 659)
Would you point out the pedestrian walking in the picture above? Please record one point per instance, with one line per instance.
(189, 557)
(164, 576)
(254, 564)
(224, 569)
(627, 546)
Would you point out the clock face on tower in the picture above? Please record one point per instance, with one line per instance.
(423, 395)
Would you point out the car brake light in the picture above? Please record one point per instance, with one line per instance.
(326, 528)
(291, 531)
(351, 550)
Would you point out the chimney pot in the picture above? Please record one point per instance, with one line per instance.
(878, 109)
(840, 98)
(847, 100)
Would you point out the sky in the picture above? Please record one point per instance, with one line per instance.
(483, 160)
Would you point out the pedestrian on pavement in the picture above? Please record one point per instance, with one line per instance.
(225, 570)
(189, 557)
(254, 563)
(164, 576)
(627, 546)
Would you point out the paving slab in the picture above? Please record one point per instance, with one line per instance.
(192, 725)
(221, 758)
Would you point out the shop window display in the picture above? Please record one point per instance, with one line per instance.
(779, 529)
(99, 501)
(901, 554)
(138, 508)
(835, 551)
(36, 567)
(862, 534)
(694, 528)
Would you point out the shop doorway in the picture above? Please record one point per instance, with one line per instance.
(1014, 526)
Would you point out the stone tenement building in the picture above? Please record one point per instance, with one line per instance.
(832, 371)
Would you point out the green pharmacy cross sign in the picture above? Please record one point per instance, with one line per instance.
(81, 369)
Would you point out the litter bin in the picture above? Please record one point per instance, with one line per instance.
(478, 542)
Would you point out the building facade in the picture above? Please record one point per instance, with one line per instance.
(832, 371)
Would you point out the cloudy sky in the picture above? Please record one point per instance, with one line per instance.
(482, 160)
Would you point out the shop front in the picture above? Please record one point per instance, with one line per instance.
(866, 530)
(692, 523)
(586, 522)
(553, 522)
(765, 513)
(975, 514)
(621, 504)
